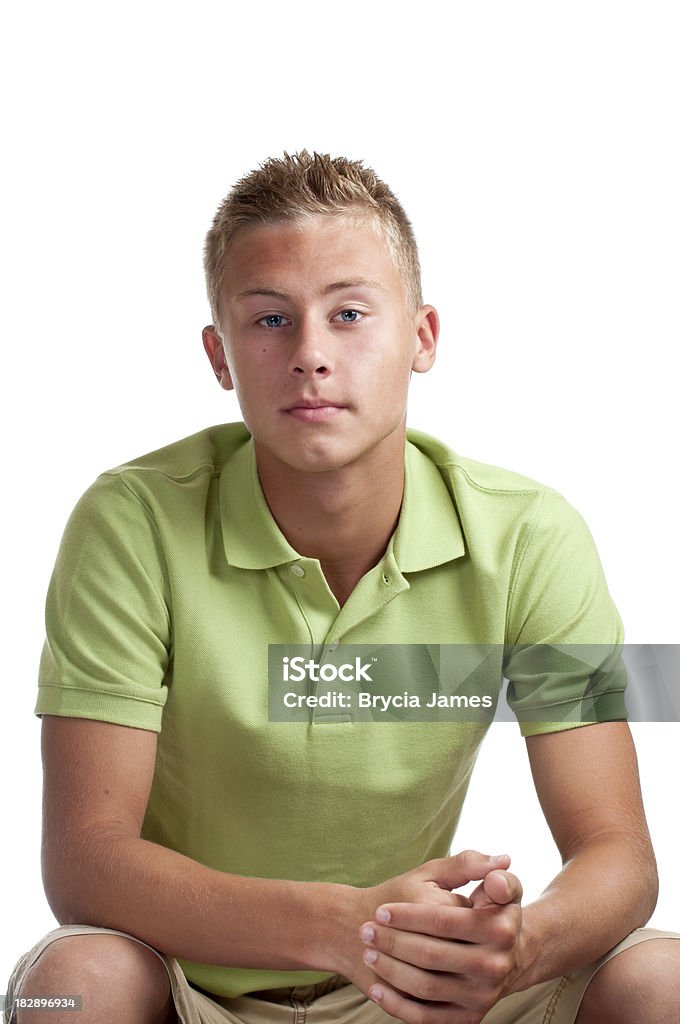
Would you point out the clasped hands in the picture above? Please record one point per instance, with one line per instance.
(433, 956)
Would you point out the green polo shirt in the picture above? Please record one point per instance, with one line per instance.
(173, 579)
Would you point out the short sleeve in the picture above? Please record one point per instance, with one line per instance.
(563, 657)
(106, 653)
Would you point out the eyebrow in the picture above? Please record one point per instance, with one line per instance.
(336, 286)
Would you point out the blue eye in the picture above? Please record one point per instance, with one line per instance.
(272, 320)
(350, 316)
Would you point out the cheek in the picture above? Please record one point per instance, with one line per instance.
(254, 385)
(398, 372)
(246, 372)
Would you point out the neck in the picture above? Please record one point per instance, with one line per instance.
(343, 517)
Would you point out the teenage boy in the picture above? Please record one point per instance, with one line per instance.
(208, 865)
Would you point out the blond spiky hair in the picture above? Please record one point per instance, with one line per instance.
(301, 185)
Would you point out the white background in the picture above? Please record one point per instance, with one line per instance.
(535, 147)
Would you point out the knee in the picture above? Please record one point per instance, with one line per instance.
(96, 957)
(108, 971)
(641, 983)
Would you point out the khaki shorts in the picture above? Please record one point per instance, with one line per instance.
(336, 1000)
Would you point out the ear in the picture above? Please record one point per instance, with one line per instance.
(214, 347)
(427, 330)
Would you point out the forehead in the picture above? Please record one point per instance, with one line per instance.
(309, 252)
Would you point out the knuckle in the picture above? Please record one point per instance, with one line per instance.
(497, 967)
(504, 932)
(441, 917)
(427, 987)
(439, 959)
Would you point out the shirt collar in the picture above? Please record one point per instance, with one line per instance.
(428, 532)
(252, 539)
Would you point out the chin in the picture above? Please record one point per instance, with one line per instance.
(326, 452)
(317, 462)
(312, 458)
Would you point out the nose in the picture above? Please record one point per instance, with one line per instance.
(310, 354)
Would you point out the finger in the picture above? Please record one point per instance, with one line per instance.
(430, 892)
(458, 900)
(396, 1004)
(464, 867)
(415, 983)
(472, 960)
(439, 921)
(498, 888)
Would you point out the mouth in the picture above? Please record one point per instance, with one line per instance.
(314, 410)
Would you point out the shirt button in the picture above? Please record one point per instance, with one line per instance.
(334, 646)
(297, 570)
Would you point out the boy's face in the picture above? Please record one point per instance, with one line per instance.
(318, 341)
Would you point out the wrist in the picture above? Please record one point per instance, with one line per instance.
(332, 942)
(528, 954)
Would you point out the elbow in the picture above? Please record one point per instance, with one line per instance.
(643, 868)
(68, 883)
(82, 879)
(650, 893)
(60, 899)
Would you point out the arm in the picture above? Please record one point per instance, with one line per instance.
(588, 786)
(587, 783)
(97, 869)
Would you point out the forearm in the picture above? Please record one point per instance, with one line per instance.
(193, 912)
(608, 888)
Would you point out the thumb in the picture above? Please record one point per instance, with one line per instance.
(468, 866)
(499, 888)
